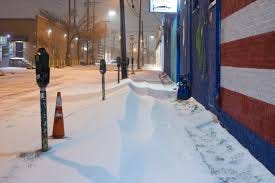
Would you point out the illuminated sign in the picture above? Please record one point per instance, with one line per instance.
(163, 6)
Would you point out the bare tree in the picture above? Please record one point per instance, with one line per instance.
(73, 30)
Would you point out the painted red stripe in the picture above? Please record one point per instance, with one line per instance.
(252, 113)
(231, 6)
(252, 52)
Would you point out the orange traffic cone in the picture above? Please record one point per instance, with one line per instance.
(58, 126)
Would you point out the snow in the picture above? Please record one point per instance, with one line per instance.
(139, 134)
(9, 70)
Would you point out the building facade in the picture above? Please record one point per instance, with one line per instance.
(20, 38)
(227, 51)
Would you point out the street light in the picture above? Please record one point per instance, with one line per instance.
(112, 13)
(152, 37)
(8, 36)
(49, 31)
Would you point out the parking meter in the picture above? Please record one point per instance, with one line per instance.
(42, 79)
(118, 61)
(42, 68)
(132, 60)
(127, 62)
(102, 67)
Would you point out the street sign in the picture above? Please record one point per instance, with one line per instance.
(163, 6)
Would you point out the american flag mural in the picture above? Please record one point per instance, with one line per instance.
(248, 69)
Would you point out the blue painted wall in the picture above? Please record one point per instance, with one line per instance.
(200, 58)
(173, 47)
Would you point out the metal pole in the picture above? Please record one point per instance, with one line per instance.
(93, 50)
(88, 32)
(74, 12)
(118, 75)
(105, 27)
(148, 54)
(142, 38)
(44, 127)
(139, 32)
(113, 45)
(123, 41)
(133, 72)
(103, 86)
(68, 55)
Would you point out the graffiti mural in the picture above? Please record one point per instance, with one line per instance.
(201, 50)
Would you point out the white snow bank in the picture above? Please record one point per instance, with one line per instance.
(7, 70)
(129, 138)
(158, 91)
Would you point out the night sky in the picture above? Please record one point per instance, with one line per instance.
(29, 8)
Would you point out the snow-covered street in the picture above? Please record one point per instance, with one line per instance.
(140, 134)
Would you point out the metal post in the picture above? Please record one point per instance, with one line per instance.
(103, 86)
(118, 74)
(148, 50)
(113, 45)
(124, 71)
(68, 55)
(139, 35)
(132, 60)
(133, 72)
(88, 31)
(74, 12)
(93, 40)
(142, 45)
(105, 29)
(44, 127)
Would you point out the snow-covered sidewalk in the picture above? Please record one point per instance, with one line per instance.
(140, 134)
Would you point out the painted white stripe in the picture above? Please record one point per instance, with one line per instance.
(255, 83)
(256, 18)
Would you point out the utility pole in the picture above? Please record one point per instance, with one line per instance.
(148, 49)
(113, 44)
(93, 32)
(123, 41)
(74, 12)
(105, 29)
(139, 32)
(87, 4)
(142, 37)
(77, 44)
(132, 38)
(93, 38)
(68, 55)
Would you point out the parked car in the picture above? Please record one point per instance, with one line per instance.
(111, 62)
